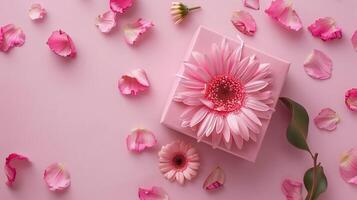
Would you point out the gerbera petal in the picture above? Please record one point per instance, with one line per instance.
(219, 124)
(57, 177)
(196, 72)
(318, 65)
(351, 99)
(120, 6)
(354, 40)
(292, 189)
(134, 82)
(232, 122)
(37, 12)
(216, 139)
(255, 86)
(226, 132)
(202, 62)
(256, 105)
(198, 116)
(348, 166)
(244, 22)
(327, 119)
(140, 139)
(243, 129)
(238, 140)
(325, 29)
(11, 36)
(106, 21)
(205, 126)
(251, 115)
(155, 193)
(61, 44)
(10, 170)
(133, 31)
(284, 14)
(253, 4)
(215, 179)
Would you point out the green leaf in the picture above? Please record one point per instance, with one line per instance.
(298, 127)
(320, 185)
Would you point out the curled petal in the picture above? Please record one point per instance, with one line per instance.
(351, 99)
(133, 31)
(325, 29)
(11, 36)
(318, 65)
(348, 166)
(327, 119)
(284, 14)
(253, 4)
(61, 44)
(214, 180)
(134, 82)
(37, 12)
(106, 21)
(140, 139)
(354, 40)
(244, 22)
(155, 193)
(120, 6)
(292, 189)
(56, 177)
(10, 171)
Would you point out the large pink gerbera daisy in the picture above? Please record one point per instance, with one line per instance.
(226, 96)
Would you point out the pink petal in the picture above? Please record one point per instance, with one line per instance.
(140, 139)
(56, 177)
(325, 29)
(284, 14)
(354, 40)
(11, 36)
(292, 189)
(155, 193)
(318, 65)
(120, 6)
(134, 82)
(106, 21)
(133, 31)
(348, 166)
(253, 4)
(10, 171)
(327, 119)
(351, 99)
(244, 22)
(61, 44)
(214, 180)
(36, 12)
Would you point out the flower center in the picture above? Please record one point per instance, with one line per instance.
(226, 93)
(179, 161)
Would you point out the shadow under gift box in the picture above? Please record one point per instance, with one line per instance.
(201, 42)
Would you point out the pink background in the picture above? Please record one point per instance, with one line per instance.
(70, 111)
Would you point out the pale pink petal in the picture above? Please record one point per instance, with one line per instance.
(120, 6)
(292, 189)
(325, 29)
(140, 139)
(351, 99)
(155, 193)
(284, 14)
(133, 31)
(354, 40)
(348, 166)
(61, 44)
(37, 12)
(106, 21)
(327, 119)
(10, 171)
(57, 177)
(134, 82)
(244, 22)
(253, 4)
(11, 36)
(214, 180)
(318, 65)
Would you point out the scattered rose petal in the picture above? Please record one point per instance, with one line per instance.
(133, 31)
(106, 21)
(348, 166)
(253, 4)
(36, 12)
(61, 44)
(120, 6)
(327, 119)
(155, 193)
(292, 189)
(325, 29)
(244, 22)
(134, 82)
(56, 177)
(354, 40)
(351, 99)
(140, 139)
(11, 36)
(284, 14)
(318, 65)
(214, 180)
(10, 171)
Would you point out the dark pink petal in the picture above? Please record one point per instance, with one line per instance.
(37, 12)
(140, 139)
(292, 189)
(348, 166)
(325, 29)
(327, 119)
(11, 36)
(244, 22)
(133, 31)
(351, 99)
(354, 40)
(56, 177)
(61, 44)
(253, 4)
(106, 21)
(120, 6)
(10, 171)
(284, 14)
(318, 65)
(214, 180)
(134, 82)
(155, 193)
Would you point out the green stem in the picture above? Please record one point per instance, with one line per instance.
(314, 175)
(194, 8)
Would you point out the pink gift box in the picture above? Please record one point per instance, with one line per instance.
(201, 42)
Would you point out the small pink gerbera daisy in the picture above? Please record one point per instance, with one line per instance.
(179, 161)
(226, 96)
